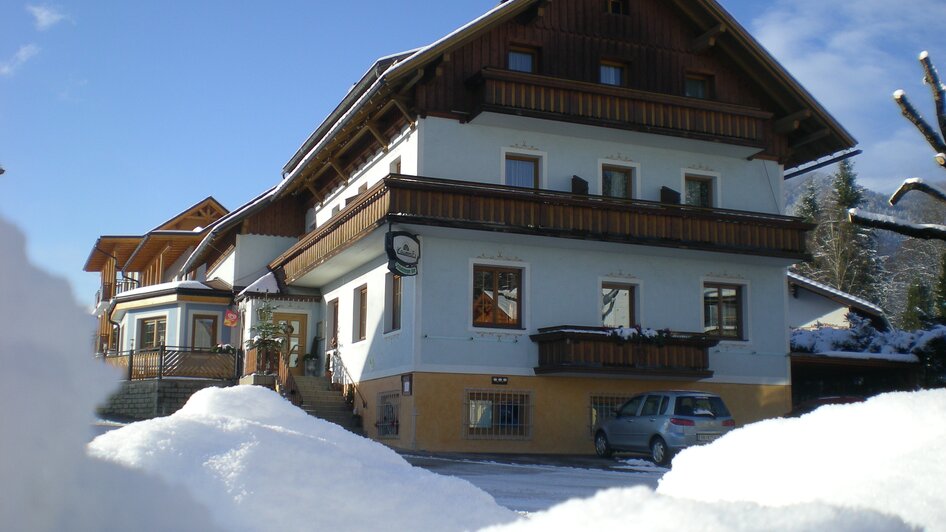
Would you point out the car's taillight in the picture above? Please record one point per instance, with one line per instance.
(729, 423)
(682, 422)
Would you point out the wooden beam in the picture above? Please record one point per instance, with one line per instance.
(377, 136)
(814, 137)
(791, 122)
(338, 169)
(403, 108)
(708, 40)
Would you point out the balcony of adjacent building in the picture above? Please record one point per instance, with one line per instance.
(486, 207)
(578, 350)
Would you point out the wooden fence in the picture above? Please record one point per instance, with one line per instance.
(175, 362)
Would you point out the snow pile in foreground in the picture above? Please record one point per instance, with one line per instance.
(877, 465)
(259, 463)
(887, 454)
(49, 389)
(640, 508)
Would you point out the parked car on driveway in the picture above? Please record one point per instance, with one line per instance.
(662, 423)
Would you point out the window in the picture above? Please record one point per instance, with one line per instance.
(395, 167)
(361, 314)
(497, 297)
(392, 310)
(722, 311)
(698, 86)
(698, 191)
(617, 7)
(494, 415)
(152, 333)
(522, 171)
(203, 331)
(522, 59)
(602, 408)
(617, 181)
(612, 73)
(617, 305)
(333, 324)
(389, 410)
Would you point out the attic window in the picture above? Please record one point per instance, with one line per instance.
(612, 73)
(699, 86)
(617, 7)
(521, 59)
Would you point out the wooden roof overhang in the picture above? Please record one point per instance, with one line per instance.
(168, 244)
(487, 207)
(201, 214)
(107, 247)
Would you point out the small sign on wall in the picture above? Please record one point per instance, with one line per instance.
(403, 251)
(407, 384)
(230, 318)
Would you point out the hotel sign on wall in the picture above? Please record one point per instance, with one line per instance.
(403, 251)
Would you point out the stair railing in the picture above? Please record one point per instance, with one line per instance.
(341, 376)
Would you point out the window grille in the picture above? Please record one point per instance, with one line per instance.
(389, 415)
(497, 415)
(601, 408)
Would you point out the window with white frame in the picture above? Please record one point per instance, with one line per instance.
(723, 313)
(497, 415)
(618, 305)
(698, 190)
(497, 296)
(522, 170)
(617, 181)
(203, 331)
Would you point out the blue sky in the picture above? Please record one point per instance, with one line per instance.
(115, 116)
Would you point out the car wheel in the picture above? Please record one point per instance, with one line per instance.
(602, 447)
(659, 452)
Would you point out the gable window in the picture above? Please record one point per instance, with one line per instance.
(612, 73)
(617, 7)
(698, 86)
(617, 181)
(522, 171)
(722, 311)
(617, 305)
(698, 191)
(521, 59)
(360, 320)
(203, 331)
(392, 314)
(497, 297)
(153, 333)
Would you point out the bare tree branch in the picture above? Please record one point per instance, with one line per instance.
(918, 184)
(910, 112)
(939, 91)
(903, 227)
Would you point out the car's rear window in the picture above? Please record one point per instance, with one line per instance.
(700, 405)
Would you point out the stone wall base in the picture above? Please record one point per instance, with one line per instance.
(147, 399)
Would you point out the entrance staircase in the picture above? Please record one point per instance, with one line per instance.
(321, 401)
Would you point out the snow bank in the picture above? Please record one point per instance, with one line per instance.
(49, 389)
(885, 454)
(260, 463)
(640, 508)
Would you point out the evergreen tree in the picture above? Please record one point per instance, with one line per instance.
(919, 308)
(847, 193)
(809, 210)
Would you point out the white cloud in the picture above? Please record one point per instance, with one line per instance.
(45, 17)
(24, 54)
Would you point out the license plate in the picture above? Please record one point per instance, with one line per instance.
(706, 437)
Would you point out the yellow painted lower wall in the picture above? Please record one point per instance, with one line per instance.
(432, 417)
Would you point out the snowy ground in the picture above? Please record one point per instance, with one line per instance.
(533, 487)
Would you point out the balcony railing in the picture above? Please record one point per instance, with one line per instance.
(506, 91)
(599, 350)
(175, 362)
(479, 206)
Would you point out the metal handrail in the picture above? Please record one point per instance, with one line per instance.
(337, 363)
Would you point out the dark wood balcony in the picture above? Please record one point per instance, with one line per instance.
(539, 96)
(599, 350)
(485, 207)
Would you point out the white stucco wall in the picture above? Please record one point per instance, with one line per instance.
(225, 271)
(474, 152)
(806, 309)
(253, 253)
(170, 272)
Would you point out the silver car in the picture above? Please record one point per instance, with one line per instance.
(662, 423)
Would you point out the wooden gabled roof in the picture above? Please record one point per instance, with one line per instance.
(201, 214)
(106, 247)
(172, 244)
(811, 131)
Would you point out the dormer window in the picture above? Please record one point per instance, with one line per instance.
(612, 73)
(698, 86)
(521, 59)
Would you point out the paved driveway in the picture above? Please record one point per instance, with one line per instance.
(535, 483)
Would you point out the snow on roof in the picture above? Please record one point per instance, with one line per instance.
(893, 221)
(264, 285)
(173, 285)
(841, 294)
(891, 357)
(260, 463)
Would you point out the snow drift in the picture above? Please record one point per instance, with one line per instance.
(259, 463)
(887, 454)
